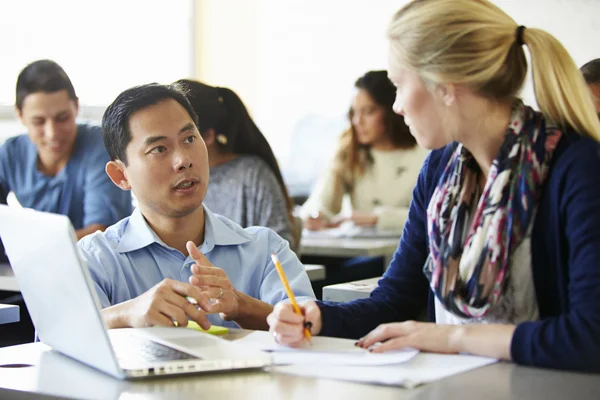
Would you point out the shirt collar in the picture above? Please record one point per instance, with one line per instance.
(137, 233)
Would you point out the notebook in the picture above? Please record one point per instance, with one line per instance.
(62, 301)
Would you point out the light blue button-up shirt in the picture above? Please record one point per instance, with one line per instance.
(129, 258)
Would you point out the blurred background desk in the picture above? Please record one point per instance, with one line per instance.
(348, 247)
(347, 258)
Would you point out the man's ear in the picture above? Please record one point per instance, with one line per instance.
(19, 114)
(209, 136)
(116, 172)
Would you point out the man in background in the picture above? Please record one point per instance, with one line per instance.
(591, 74)
(58, 167)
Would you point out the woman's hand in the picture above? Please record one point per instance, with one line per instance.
(287, 327)
(488, 340)
(426, 336)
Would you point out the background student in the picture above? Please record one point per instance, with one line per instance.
(58, 166)
(502, 242)
(376, 164)
(246, 184)
(591, 74)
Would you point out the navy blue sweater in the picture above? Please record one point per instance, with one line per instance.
(565, 256)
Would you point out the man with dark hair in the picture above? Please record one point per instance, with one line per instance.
(58, 166)
(591, 74)
(140, 266)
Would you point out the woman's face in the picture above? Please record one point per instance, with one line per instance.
(423, 110)
(368, 119)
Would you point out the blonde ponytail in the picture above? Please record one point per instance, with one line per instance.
(560, 90)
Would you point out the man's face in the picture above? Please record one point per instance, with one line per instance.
(167, 161)
(50, 122)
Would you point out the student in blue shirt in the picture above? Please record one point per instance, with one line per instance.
(140, 266)
(502, 242)
(58, 166)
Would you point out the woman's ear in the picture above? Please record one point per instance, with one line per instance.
(116, 172)
(447, 93)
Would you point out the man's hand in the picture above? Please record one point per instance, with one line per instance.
(215, 284)
(163, 304)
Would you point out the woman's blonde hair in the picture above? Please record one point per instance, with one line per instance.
(475, 43)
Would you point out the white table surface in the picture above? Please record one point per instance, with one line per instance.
(56, 375)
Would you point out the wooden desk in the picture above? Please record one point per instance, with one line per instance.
(8, 281)
(9, 313)
(56, 375)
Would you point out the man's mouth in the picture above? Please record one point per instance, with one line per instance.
(186, 184)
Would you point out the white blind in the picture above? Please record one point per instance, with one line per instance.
(104, 46)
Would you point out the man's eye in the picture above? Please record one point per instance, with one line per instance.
(158, 150)
(190, 139)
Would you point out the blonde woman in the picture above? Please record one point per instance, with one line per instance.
(502, 242)
(377, 164)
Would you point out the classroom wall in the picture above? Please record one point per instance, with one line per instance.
(294, 62)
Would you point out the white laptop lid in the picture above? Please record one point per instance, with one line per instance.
(42, 251)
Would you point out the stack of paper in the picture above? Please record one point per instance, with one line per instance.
(334, 358)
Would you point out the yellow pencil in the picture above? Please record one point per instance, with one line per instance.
(289, 292)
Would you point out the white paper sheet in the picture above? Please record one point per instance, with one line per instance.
(324, 351)
(425, 367)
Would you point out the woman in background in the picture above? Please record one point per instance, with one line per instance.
(245, 184)
(377, 164)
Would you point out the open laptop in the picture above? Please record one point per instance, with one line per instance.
(62, 301)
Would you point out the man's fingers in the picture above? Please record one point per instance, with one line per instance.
(210, 271)
(174, 313)
(196, 254)
(211, 281)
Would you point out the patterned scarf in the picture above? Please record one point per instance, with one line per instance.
(471, 242)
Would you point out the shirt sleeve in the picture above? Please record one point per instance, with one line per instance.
(570, 340)
(270, 207)
(271, 288)
(94, 253)
(326, 197)
(103, 203)
(402, 293)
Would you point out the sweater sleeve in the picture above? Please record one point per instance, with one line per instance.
(403, 291)
(326, 197)
(391, 218)
(571, 340)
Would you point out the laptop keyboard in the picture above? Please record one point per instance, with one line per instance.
(135, 349)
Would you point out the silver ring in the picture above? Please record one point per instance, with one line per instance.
(220, 293)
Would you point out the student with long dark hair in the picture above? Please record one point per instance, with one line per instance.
(246, 184)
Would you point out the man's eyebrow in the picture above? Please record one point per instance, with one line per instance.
(153, 139)
(186, 128)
